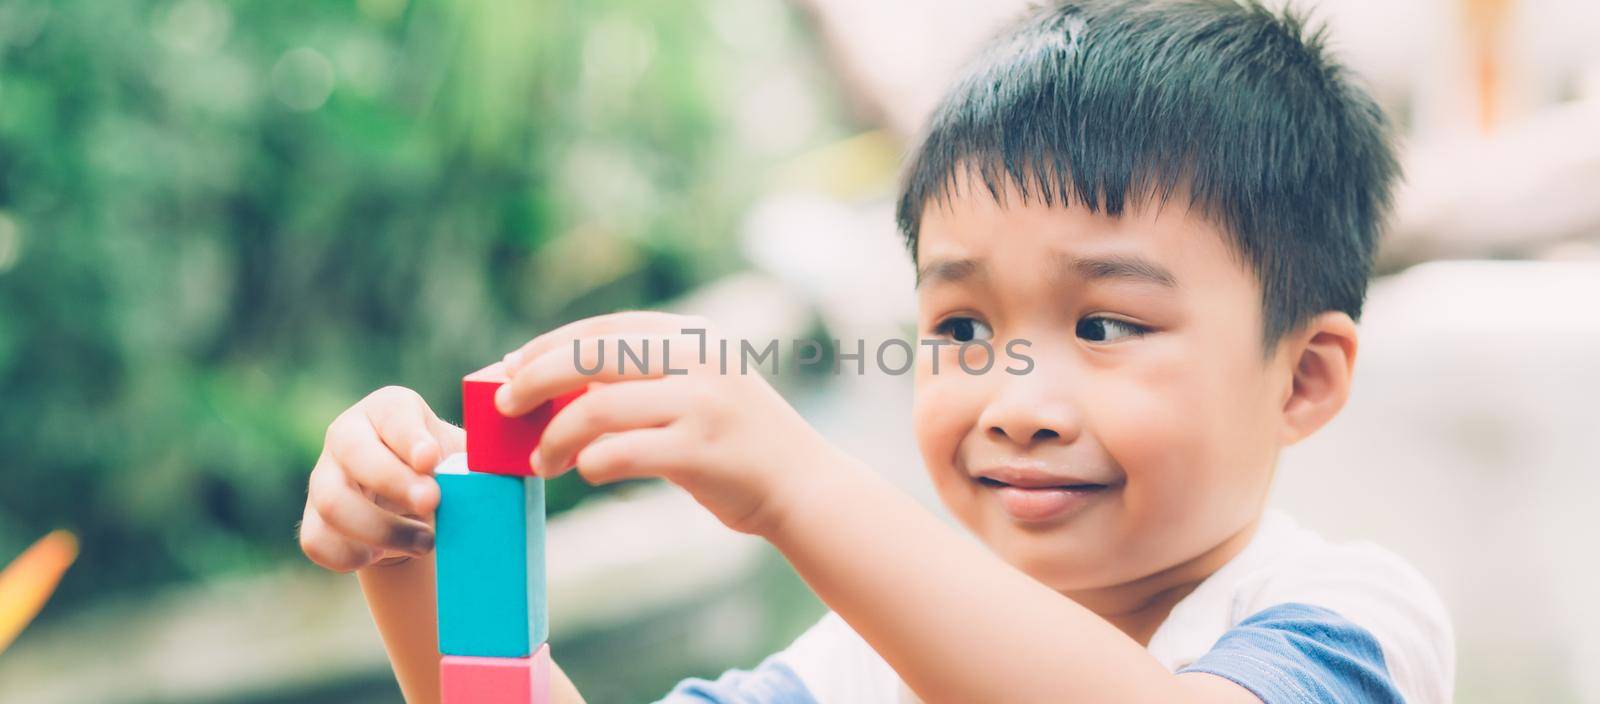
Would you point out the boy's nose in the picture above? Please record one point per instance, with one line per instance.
(1026, 414)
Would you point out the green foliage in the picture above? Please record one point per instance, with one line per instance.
(223, 222)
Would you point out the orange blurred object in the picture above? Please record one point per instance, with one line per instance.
(1486, 23)
(29, 581)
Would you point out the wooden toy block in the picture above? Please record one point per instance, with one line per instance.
(489, 564)
(497, 444)
(474, 680)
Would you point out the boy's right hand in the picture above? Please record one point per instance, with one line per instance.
(372, 490)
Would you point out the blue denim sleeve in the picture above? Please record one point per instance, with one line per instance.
(1301, 653)
(771, 682)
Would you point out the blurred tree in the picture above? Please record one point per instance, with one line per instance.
(223, 222)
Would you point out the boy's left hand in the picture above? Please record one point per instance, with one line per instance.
(724, 435)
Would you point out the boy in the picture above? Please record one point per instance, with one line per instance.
(1171, 209)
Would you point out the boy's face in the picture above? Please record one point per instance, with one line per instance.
(1145, 433)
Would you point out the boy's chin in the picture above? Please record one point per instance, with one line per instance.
(1065, 558)
(1064, 575)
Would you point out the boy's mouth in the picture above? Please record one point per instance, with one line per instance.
(1030, 497)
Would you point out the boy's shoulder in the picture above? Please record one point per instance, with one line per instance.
(1290, 604)
(829, 662)
(1352, 602)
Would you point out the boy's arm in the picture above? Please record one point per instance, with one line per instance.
(954, 621)
(903, 579)
(401, 597)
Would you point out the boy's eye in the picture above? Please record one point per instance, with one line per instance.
(1101, 329)
(963, 329)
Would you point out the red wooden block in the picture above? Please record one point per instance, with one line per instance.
(497, 444)
(470, 680)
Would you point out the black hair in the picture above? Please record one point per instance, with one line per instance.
(1107, 104)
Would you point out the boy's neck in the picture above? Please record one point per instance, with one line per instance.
(1139, 607)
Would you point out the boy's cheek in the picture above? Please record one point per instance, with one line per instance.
(943, 415)
(938, 433)
(944, 405)
(1191, 475)
(1164, 445)
(1141, 428)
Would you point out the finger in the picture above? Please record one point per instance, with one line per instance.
(595, 360)
(635, 454)
(357, 518)
(452, 439)
(634, 321)
(372, 464)
(613, 408)
(329, 549)
(405, 424)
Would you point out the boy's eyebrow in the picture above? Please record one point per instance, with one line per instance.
(948, 270)
(1090, 268)
(1116, 267)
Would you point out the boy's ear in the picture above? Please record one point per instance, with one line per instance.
(1321, 357)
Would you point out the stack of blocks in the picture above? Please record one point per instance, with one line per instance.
(489, 538)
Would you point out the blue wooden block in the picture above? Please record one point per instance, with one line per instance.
(489, 564)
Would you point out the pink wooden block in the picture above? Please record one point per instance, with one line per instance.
(497, 444)
(472, 680)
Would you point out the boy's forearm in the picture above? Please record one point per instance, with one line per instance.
(955, 621)
(401, 597)
(562, 691)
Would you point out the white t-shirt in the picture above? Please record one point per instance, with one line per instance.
(1293, 618)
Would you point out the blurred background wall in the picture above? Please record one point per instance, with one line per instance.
(223, 222)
